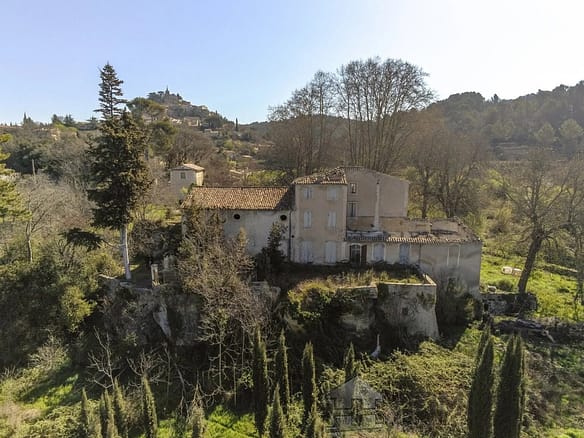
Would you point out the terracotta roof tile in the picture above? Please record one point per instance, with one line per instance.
(188, 166)
(332, 176)
(241, 198)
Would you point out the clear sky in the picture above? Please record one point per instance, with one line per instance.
(241, 56)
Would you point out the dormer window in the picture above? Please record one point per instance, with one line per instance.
(353, 188)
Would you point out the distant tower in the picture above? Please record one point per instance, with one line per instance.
(236, 125)
(167, 92)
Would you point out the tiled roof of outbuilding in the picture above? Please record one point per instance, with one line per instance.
(332, 176)
(240, 198)
(188, 166)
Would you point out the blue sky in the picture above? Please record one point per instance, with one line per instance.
(240, 57)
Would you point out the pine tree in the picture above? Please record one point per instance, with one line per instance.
(480, 399)
(282, 378)
(277, 420)
(308, 381)
(349, 363)
(260, 382)
(511, 391)
(119, 173)
(120, 410)
(149, 415)
(197, 416)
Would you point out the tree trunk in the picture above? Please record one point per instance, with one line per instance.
(29, 241)
(124, 249)
(534, 247)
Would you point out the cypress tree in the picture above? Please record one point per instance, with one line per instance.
(314, 427)
(120, 410)
(282, 373)
(90, 425)
(102, 413)
(119, 173)
(308, 381)
(349, 363)
(149, 416)
(260, 383)
(480, 399)
(277, 429)
(111, 431)
(197, 416)
(511, 391)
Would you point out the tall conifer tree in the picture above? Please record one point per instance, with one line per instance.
(260, 383)
(282, 373)
(308, 381)
(149, 415)
(349, 363)
(119, 172)
(511, 391)
(277, 421)
(120, 410)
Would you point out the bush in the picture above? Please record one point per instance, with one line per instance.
(505, 285)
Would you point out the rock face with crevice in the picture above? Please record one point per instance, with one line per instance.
(363, 310)
(146, 316)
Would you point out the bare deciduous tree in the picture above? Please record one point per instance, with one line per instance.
(374, 97)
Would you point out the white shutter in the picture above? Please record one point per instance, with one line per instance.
(307, 219)
(332, 219)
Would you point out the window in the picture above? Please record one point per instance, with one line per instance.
(352, 209)
(404, 253)
(331, 194)
(307, 192)
(332, 219)
(353, 188)
(330, 252)
(355, 253)
(378, 252)
(306, 255)
(307, 219)
(283, 217)
(183, 175)
(453, 257)
(236, 216)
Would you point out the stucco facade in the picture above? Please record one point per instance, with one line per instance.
(349, 214)
(183, 177)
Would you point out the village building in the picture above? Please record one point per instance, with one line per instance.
(183, 177)
(348, 214)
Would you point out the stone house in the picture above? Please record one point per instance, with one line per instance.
(348, 214)
(183, 177)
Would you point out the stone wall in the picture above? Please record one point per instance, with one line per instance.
(410, 306)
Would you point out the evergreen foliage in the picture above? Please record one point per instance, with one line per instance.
(349, 363)
(197, 416)
(260, 383)
(480, 400)
(149, 416)
(308, 382)
(119, 173)
(511, 391)
(120, 410)
(90, 425)
(10, 203)
(110, 93)
(314, 425)
(111, 431)
(277, 419)
(282, 377)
